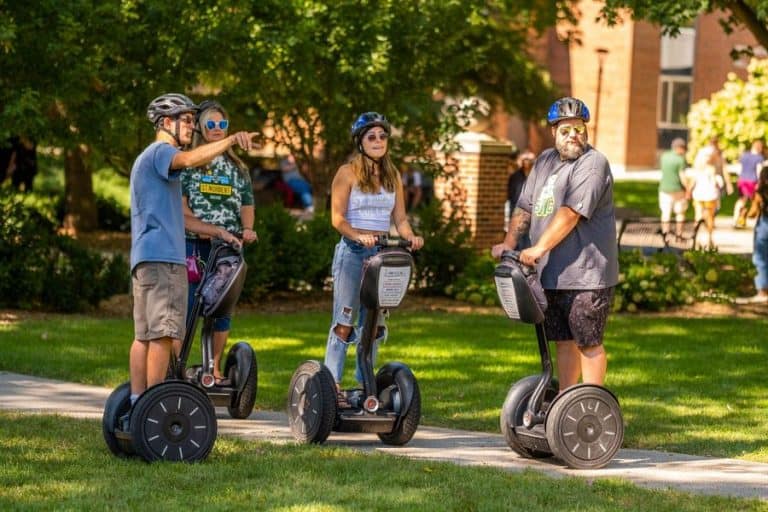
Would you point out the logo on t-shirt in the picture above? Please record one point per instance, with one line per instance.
(217, 185)
(545, 204)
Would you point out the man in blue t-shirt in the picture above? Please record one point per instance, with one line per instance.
(158, 272)
(750, 161)
(567, 208)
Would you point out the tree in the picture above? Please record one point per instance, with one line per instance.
(78, 75)
(313, 66)
(671, 15)
(737, 114)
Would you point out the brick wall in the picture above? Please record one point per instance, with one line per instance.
(482, 170)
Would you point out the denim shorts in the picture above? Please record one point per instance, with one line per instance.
(349, 260)
(578, 315)
(159, 300)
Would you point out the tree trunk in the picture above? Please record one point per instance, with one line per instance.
(747, 15)
(80, 214)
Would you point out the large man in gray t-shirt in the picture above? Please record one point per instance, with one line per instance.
(567, 208)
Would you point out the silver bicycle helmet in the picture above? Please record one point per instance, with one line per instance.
(169, 105)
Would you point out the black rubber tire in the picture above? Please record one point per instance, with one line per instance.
(311, 403)
(173, 421)
(118, 404)
(585, 428)
(408, 423)
(242, 403)
(513, 409)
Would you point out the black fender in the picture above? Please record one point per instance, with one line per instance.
(240, 355)
(582, 385)
(386, 376)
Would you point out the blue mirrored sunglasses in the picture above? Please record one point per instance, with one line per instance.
(211, 124)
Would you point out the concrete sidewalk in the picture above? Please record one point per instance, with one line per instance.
(645, 468)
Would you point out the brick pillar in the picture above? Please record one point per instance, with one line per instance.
(482, 174)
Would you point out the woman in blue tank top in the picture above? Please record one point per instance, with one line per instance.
(366, 196)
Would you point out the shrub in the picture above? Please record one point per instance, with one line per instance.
(447, 250)
(42, 270)
(289, 255)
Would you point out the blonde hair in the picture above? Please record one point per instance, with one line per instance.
(198, 138)
(362, 167)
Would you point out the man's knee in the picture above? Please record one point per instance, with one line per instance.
(592, 351)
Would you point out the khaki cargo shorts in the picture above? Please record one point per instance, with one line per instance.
(159, 300)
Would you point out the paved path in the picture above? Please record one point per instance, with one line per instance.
(646, 468)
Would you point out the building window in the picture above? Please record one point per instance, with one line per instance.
(674, 101)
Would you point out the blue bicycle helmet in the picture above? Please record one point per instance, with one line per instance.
(364, 123)
(567, 108)
(169, 105)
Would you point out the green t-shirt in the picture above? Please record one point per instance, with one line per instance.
(216, 193)
(672, 164)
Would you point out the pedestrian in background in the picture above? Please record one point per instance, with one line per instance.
(673, 193)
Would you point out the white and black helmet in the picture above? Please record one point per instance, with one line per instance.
(169, 105)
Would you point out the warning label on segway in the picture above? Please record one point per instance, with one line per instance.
(506, 289)
(393, 283)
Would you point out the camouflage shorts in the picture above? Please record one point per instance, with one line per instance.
(578, 315)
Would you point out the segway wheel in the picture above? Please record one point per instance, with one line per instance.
(585, 428)
(241, 365)
(312, 403)
(512, 412)
(406, 426)
(173, 421)
(118, 404)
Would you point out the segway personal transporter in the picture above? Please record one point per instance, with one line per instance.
(176, 420)
(582, 426)
(389, 404)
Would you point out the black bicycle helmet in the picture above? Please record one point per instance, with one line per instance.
(365, 122)
(208, 105)
(169, 105)
(567, 108)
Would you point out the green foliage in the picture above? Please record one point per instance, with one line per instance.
(737, 113)
(476, 285)
(40, 269)
(447, 249)
(661, 281)
(289, 255)
(672, 15)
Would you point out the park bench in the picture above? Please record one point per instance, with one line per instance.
(645, 233)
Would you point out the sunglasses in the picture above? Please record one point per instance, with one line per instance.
(371, 137)
(211, 124)
(565, 131)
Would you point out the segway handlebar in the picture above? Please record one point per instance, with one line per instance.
(513, 255)
(386, 241)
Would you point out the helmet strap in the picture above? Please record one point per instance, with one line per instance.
(177, 127)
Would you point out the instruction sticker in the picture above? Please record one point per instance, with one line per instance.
(507, 296)
(393, 283)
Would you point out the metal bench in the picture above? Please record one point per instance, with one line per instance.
(645, 233)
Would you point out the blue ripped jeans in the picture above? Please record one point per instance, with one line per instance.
(347, 270)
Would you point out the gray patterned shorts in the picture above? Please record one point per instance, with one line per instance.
(578, 315)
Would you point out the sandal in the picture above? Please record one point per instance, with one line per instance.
(341, 400)
(222, 381)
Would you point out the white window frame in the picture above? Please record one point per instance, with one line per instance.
(666, 110)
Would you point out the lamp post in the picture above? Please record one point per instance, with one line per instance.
(602, 53)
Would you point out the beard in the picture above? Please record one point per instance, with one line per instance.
(569, 149)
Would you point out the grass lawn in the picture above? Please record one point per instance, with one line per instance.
(694, 386)
(61, 463)
(642, 197)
